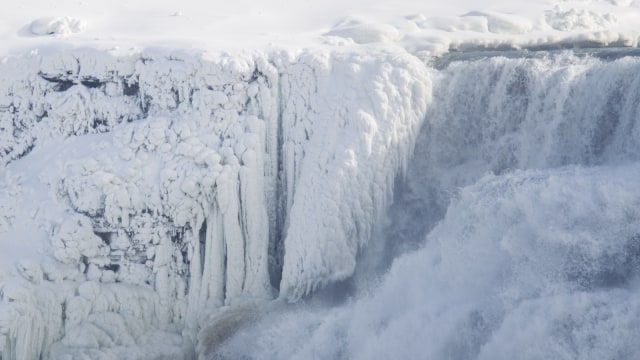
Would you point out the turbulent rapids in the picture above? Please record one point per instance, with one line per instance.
(478, 206)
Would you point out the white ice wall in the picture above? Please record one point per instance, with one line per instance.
(163, 186)
(363, 120)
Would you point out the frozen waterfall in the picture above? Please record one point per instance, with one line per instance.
(166, 187)
(477, 206)
(514, 234)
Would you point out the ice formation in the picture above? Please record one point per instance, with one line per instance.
(166, 186)
(518, 222)
(533, 264)
(169, 204)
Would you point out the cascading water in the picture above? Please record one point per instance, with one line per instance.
(172, 205)
(517, 226)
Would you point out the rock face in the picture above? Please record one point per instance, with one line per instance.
(160, 187)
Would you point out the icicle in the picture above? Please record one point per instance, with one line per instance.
(213, 275)
(229, 201)
(255, 226)
(195, 280)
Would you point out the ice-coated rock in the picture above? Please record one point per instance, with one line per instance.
(169, 186)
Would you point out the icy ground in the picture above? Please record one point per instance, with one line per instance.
(277, 180)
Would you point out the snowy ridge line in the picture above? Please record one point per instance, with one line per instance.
(167, 186)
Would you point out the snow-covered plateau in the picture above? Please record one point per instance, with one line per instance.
(414, 181)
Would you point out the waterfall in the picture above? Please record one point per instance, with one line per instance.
(514, 234)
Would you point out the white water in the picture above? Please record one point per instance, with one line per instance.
(519, 221)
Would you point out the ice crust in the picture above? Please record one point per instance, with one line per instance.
(164, 186)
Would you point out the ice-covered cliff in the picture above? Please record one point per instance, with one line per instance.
(141, 193)
(155, 203)
(515, 232)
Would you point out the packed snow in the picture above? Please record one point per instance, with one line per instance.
(366, 180)
(59, 26)
(425, 27)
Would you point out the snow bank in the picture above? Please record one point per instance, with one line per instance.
(573, 19)
(58, 26)
(362, 32)
(424, 28)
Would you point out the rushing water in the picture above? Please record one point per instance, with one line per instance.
(514, 234)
